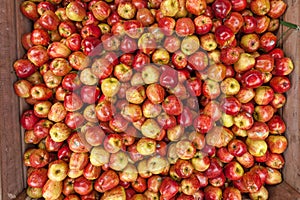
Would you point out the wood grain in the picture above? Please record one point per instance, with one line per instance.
(291, 112)
(283, 192)
(11, 167)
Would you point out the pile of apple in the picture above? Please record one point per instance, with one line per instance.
(153, 99)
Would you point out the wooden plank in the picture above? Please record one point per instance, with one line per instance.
(23, 25)
(291, 112)
(11, 166)
(283, 191)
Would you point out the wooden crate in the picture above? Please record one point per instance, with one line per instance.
(12, 171)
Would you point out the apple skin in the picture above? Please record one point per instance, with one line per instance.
(252, 79)
(230, 105)
(256, 148)
(107, 180)
(277, 143)
(203, 24)
(212, 193)
(280, 84)
(214, 169)
(261, 171)
(190, 185)
(52, 189)
(252, 181)
(83, 186)
(273, 177)
(196, 7)
(224, 36)
(219, 136)
(234, 170)
(232, 193)
(39, 158)
(37, 178)
(237, 147)
(221, 8)
(276, 125)
(168, 188)
(277, 9)
(259, 130)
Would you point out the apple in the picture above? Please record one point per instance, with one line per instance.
(126, 10)
(273, 177)
(237, 147)
(280, 84)
(211, 89)
(169, 188)
(175, 133)
(66, 29)
(221, 8)
(218, 181)
(234, 21)
(277, 143)
(100, 10)
(263, 113)
(113, 143)
(219, 136)
(118, 161)
(213, 110)
(256, 148)
(212, 193)
(224, 36)
(190, 186)
(168, 77)
(58, 170)
(203, 24)
(189, 45)
(83, 186)
(118, 123)
(39, 158)
(91, 172)
(231, 193)
(277, 9)
(233, 170)
(261, 171)
(146, 146)
(22, 88)
(73, 42)
(224, 155)
(99, 156)
(260, 7)
(34, 192)
(246, 160)
(59, 132)
(275, 161)
(139, 185)
(196, 7)
(262, 193)
(129, 173)
(52, 189)
(78, 60)
(107, 181)
(37, 178)
(203, 123)
(230, 105)
(252, 181)
(229, 55)
(259, 131)
(78, 161)
(115, 193)
(200, 161)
